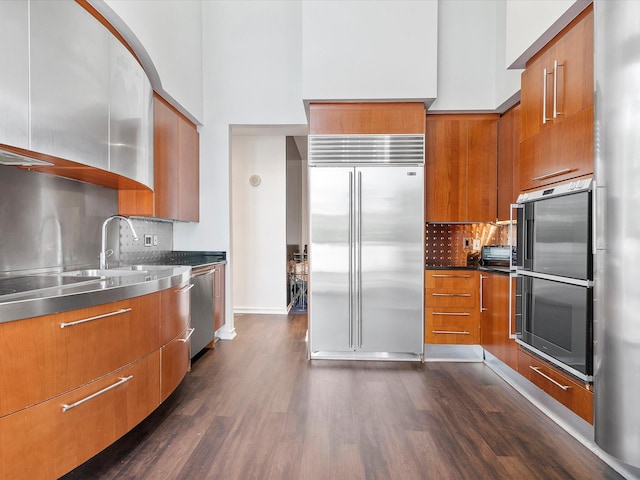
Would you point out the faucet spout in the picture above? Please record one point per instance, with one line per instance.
(103, 250)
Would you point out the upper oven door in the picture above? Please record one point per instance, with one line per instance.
(554, 236)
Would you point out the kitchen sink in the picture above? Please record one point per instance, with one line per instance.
(114, 272)
(128, 270)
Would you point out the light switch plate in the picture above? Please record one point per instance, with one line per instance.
(147, 240)
(476, 244)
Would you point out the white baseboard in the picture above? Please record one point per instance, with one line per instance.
(260, 310)
(223, 334)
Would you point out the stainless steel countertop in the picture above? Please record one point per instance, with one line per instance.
(106, 290)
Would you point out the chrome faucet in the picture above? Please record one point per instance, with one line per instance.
(103, 251)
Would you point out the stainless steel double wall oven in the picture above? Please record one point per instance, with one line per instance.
(554, 265)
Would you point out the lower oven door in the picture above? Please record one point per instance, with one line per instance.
(557, 323)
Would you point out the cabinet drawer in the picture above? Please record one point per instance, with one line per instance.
(451, 325)
(45, 356)
(450, 279)
(176, 311)
(568, 391)
(175, 363)
(450, 298)
(46, 442)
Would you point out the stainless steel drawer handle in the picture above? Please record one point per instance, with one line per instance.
(186, 288)
(537, 370)
(122, 380)
(97, 317)
(452, 314)
(186, 339)
(441, 275)
(447, 332)
(451, 294)
(552, 174)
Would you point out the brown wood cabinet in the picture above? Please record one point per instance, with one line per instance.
(451, 307)
(460, 168)
(176, 170)
(175, 313)
(53, 437)
(508, 161)
(575, 395)
(219, 307)
(366, 118)
(106, 362)
(43, 359)
(175, 363)
(557, 100)
(494, 318)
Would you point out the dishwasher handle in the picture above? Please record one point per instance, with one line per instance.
(202, 273)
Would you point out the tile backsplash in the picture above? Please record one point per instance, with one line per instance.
(459, 245)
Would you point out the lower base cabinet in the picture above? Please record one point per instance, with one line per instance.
(106, 369)
(561, 386)
(450, 315)
(495, 332)
(175, 363)
(53, 437)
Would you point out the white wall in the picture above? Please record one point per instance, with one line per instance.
(259, 225)
(507, 80)
(369, 50)
(466, 56)
(170, 31)
(532, 23)
(252, 61)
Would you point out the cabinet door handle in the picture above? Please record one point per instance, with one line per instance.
(451, 294)
(537, 370)
(440, 275)
(186, 288)
(186, 339)
(97, 317)
(555, 88)
(482, 309)
(452, 314)
(447, 332)
(545, 73)
(122, 380)
(552, 174)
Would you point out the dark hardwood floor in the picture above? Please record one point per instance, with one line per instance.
(255, 408)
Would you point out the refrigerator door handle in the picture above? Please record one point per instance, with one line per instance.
(358, 245)
(351, 258)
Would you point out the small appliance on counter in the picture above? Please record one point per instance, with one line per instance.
(495, 256)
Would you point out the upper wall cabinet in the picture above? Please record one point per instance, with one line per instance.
(69, 84)
(508, 161)
(557, 108)
(366, 118)
(176, 170)
(460, 168)
(14, 83)
(75, 97)
(130, 116)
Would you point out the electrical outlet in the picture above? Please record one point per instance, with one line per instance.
(155, 239)
(476, 244)
(466, 244)
(147, 240)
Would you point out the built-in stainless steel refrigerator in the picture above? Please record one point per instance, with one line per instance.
(366, 257)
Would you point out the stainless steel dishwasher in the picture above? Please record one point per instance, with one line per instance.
(202, 277)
